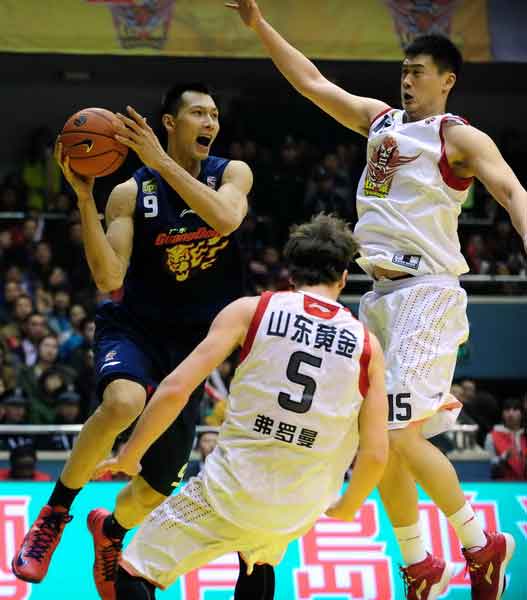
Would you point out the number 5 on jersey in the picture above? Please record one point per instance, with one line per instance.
(307, 382)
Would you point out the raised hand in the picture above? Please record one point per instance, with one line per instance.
(81, 184)
(248, 10)
(140, 137)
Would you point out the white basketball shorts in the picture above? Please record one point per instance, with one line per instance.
(420, 322)
(185, 533)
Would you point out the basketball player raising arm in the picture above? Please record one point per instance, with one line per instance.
(421, 162)
(470, 152)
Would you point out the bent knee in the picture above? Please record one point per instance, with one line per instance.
(145, 495)
(123, 402)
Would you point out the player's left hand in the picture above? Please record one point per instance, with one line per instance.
(137, 134)
(118, 464)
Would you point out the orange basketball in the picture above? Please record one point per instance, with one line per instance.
(88, 139)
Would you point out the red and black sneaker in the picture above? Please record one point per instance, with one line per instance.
(427, 579)
(31, 562)
(107, 555)
(487, 566)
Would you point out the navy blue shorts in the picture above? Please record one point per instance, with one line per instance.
(127, 349)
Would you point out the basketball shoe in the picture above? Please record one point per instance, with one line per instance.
(31, 562)
(107, 555)
(487, 566)
(427, 579)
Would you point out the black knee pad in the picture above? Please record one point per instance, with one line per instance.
(257, 586)
(128, 587)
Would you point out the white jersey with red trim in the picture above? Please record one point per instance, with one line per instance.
(408, 198)
(291, 429)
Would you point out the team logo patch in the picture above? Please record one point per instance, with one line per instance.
(383, 163)
(211, 181)
(406, 260)
(110, 355)
(150, 186)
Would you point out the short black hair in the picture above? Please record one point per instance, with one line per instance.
(444, 52)
(319, 251)
(173, 98)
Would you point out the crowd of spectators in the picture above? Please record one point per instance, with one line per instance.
(48, 299)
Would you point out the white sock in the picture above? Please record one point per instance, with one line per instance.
(468, 528)
(411, 543)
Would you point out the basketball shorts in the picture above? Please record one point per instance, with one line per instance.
(420, 323)
(185, 533)
(124, 349)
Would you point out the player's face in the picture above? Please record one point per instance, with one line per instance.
(196, 124)
(423, 88)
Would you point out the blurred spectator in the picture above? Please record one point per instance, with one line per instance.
(68, 412)
(11, 200)
(15, 412)
(286, 199)
(14, 330)
(7, 371)
(74, 339)
(57, 280)
(43, 381)
(25, 239)
(12, 291)
(479, 407)
(43, 301)
(205, 444)
(477, 256)
(40, 173)
(507, 444)
(73, 260)
(325, 197)
(42, 262)
(59, 319)
(34, 329)
(23, 465)
(86, 329)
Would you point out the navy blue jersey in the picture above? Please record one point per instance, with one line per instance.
(181, 270)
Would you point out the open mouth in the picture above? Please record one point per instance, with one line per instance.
(407, 97)
(204, 140)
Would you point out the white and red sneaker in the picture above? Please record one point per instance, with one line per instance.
(487, 566)
(427, 579)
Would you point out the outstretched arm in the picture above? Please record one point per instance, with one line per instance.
(472, 153)
(354, 112)
(227, 331)
(373, 441)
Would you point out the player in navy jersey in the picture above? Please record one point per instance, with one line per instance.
(169, 243)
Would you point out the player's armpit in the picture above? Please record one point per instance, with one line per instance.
(481, 158)
(236, 184)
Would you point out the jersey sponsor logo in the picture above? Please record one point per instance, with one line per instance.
(211, 181)
(168, 239)
(383, 164)
(149, 186)
(384, 123)
(110, 364)
(110, 355)
(406, 260)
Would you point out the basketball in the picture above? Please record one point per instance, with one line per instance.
(88, 140)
